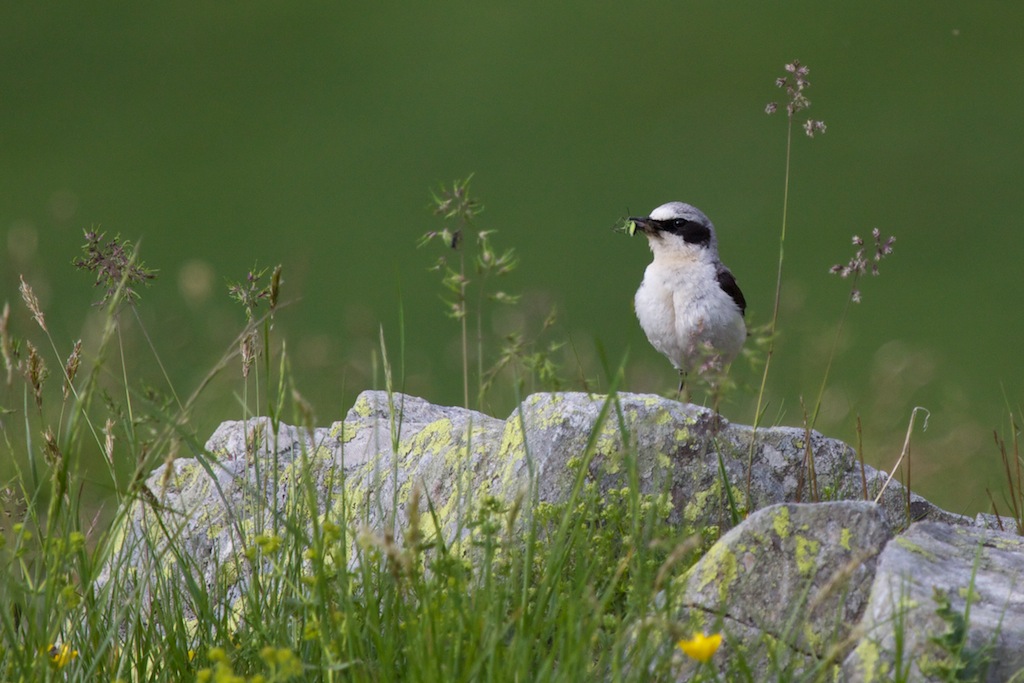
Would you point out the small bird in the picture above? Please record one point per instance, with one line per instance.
(689, 304)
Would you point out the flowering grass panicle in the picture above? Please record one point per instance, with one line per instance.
(7, 343)
(250, 293)
(859, 263)
(115, 263)
(32, 302)
(795, 83)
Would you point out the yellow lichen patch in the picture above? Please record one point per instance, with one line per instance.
(553, 399)
(662, 418)
(236, 614)
(117, 540)
(868, 656)
(780, 523)
(969, 594)
(403, 491)
(302, 467)
(806, 555)
(510, 452)
(425, 526)
(454, 458)
(906, 544)
(347, 506)
(213, 530)
(814, 638)
(1011, 544)
(718, 565)
(461, 491)
(344, 431)
(169, 566)
(229, 570)
(434, 438)
(362, 407)
(739, 496)
(696, 508)
(682, 434)
(649, 400)
(546, 416)
(702, 506)
(318, 454)
(186, 474)
(512, 439)
(609, 440)
(844, 538)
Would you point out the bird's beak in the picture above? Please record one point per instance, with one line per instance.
(643, 224)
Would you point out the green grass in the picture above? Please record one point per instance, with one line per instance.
(533, 591)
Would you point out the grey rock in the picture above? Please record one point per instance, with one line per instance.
(790, 581)
(979, 573)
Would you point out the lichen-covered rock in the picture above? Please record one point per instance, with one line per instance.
(792, 577)
(790, 582)
(944, 597)
(365, 468)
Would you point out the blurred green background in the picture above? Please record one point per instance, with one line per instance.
(219, 135)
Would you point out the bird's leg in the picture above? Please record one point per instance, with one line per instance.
(682, 386)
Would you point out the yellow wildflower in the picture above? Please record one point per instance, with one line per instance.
(701, 647)
(60, 656)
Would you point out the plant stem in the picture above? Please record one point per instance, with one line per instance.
(465, 334)
(480, 344)
(775, 308)
(831, 357)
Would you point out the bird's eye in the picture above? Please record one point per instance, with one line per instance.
(679, 223)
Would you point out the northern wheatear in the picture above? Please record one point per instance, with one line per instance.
(688, 304)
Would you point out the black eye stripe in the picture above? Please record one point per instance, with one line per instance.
(691, 231)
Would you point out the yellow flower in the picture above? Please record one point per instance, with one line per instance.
(701, 647)
(60, 656)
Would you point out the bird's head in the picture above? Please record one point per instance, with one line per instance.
(680, 229)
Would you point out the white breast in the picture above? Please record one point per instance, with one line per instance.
(684, 313)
